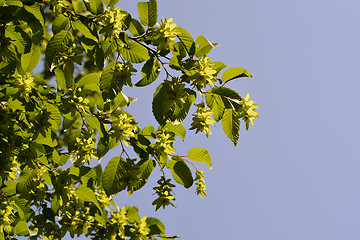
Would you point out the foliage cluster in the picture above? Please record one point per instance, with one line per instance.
(53, 124)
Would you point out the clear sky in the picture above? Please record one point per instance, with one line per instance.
(295, 175)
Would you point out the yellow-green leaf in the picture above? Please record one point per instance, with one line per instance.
(135, 53)
(231, 124)
(86, 194)
(198, 154)
(148, 12)
(236, 72)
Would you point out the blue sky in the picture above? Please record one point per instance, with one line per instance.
(295, 174)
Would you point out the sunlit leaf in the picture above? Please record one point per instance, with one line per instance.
(187, 40)
(37, 11)
(145, 169)
(80, 26)
(219, 98)
(181, 172)
(111, 3)
(60, 23)
(156, 226)
(95, 124)
(199, 155)
(27, 177)
(55, 45)
(21, 228)
(86, 194)
(133, 214)
(95, 6)
(231, 124)
(135, 53)
(177, 129)
(55, 116)
(236, 72)
(148, 12)
(148, 130)
(60, 78)
(48, 140)
(203, 46)
(19, 38)
(69, 69)
(92, 78)
(219, 66)
(111, 177)
(30, 60)
(136, 28)
(149, 72)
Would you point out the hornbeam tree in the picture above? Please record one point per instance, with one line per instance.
(64, 68)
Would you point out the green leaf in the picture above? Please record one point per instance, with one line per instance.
(30, 60)
(156, 226)
(94, 173)
(64, 159)
(111, 177)
(108, 48)
(181, 111)
(69, 69)
(229, 96)
(86, 194)
(45, 175)
(35, 20)
(55, 116)
(37, 11)
(203, 46)
(60, 23)
(119, 101)
(111, 3)
(149, 72)
(197, 154)
(216, 105)
(22, 207)
(145, 169)
(148, 130)
(60, 78)
(187, 40)
(135, 53)
(236, 72)
(48, 140)
(105, 144)
(21, 228)
(136, 28)
(219, 98)
(80, 26)
(172, 102)
(19, 38)
(55, 204)
(231, 124)
(179, 52)
(55, 157)
(148, 12)
(99, 57)
(107, 76)
(177, 129)
(181, 172)
(55, 45)
(95, 124)
(132, 213)
(26, 178)
(95, 6)
(219, 66)
(92, 78)
(10, 188)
